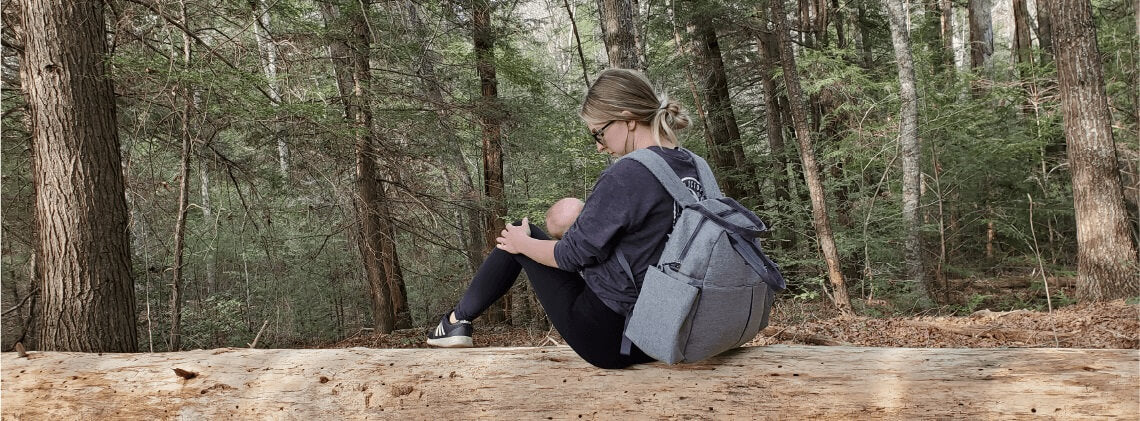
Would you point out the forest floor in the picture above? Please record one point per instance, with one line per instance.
(1113, 324)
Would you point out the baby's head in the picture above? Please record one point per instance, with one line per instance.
(561, 216)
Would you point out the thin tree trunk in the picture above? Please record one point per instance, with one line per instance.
(865, 35)
(946, 27)
(908, 140)
(183, 196)
(840, 35)
(619, 31)
(811, 170)
(83, 254)
(577, 41)
(470, 231)
(490, 119)
(268, 49)
(1106, 256)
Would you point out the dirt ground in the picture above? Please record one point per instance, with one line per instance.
(1096, 325)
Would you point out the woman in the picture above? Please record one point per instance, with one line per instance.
(578, 279)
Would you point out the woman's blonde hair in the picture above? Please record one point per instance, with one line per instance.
(618, 90)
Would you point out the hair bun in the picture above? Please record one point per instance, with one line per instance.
(675, 117)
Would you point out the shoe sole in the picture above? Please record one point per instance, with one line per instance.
(451, 342)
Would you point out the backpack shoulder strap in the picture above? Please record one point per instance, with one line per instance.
(708, 181)
(664, 174)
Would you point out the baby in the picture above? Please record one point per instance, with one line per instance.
(561, 216)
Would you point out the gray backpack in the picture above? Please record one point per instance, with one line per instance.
(712, 289)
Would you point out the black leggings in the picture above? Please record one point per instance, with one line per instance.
(588, 326)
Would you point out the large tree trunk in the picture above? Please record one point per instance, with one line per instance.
(769, 62)
(83, 254)
(792, 382)
(908, 140)
(726, 149)
(619, 31)
(371, 193)
(820, 219)
(1106, 255)
(490, 117)
(981, 34)
(183, 195)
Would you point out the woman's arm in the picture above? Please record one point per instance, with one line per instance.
(516, 239)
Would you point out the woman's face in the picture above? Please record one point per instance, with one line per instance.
(609, 137)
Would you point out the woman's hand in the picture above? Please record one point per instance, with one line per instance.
(513, 237)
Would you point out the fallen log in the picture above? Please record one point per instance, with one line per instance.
(788, 382)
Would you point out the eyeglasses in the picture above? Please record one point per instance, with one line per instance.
(597, 134)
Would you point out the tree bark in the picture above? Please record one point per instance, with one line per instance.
(619, 31)
(552, 382)
(908, 142)
(726, 149)
(371, 200)
(1022, 44)
(769, 62)
(981, 34)
(490, 118)
(946, 27)
(83, 254)
(820, 219)
(1107, 266)
(1045, 30)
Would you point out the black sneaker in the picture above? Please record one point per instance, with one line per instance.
(448, 335)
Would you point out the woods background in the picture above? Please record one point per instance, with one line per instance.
(323, 169)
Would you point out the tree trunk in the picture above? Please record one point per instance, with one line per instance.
(840, 35)
(183, 195)
(769, 62)
(1106, 255)
(268, 50)
(490, 117)
(908, 141)
(1022, 44)
(792, 382)
(83, 254)
(619, 31)
(727, 150)
(981, 34)
(946, 26)
(371, 200)
(1045, 30)
(820, 219)
(864, 33)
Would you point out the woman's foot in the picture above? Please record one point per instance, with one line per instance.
(451, 335)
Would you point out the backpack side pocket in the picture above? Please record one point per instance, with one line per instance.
(660, 322)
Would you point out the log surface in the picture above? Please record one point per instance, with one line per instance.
(785, 382)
